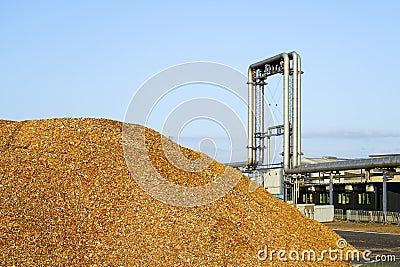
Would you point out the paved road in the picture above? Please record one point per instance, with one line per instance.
(378, 243)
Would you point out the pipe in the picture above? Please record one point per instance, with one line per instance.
(267, 61)
(286, 125)
(254, 122)
(295, 192)
(268, 148)
(352, 164)
(299, 72)
(295, 115)
(261, 113)
(250, 118)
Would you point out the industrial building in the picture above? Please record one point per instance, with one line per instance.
(329, 183)
(352, 190)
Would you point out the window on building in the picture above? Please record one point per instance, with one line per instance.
(324, 198)
(307, 198)
(343, 198)
(364, 199)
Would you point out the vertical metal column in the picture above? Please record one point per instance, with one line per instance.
(250, 119)
(299, 108)
(286, 124)
(331, 189)
(295, 189)
(261, 122)
(284, 191)
(295, 115)
(384, 196)
(269, 148)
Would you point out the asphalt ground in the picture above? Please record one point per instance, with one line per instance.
(382, 246)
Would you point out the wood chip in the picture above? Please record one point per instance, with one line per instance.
(67, 198)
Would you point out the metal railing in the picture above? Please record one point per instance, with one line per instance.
(368, 216)
(338, 215)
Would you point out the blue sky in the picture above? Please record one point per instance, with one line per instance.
(87, 59)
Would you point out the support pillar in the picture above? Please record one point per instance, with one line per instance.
(384, 196)
(331, 189)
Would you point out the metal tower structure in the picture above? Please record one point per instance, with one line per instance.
(292, 171)
(288, 65)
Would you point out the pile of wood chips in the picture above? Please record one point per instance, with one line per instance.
(67, 198)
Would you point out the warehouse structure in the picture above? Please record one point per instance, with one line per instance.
(361, 189)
